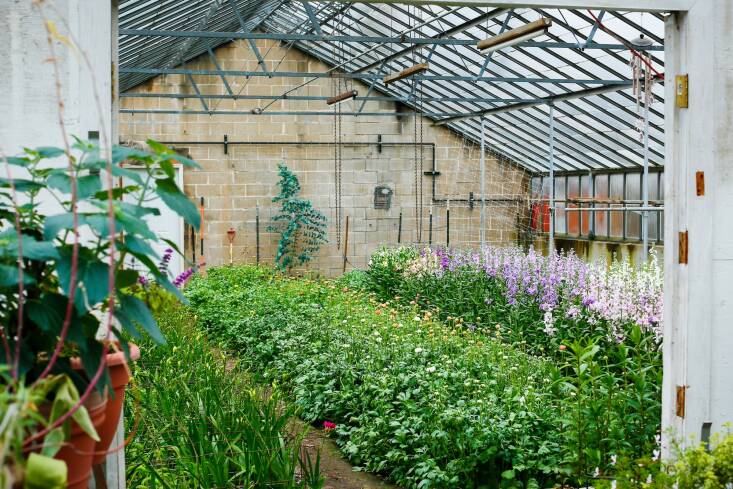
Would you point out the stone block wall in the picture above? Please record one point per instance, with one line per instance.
(238, 184)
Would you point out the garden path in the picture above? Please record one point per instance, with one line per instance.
(339, 473)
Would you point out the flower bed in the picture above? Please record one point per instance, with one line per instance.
(600, 325)
(425, 404)
(433, 403)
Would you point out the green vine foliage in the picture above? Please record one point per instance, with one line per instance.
(302, 228)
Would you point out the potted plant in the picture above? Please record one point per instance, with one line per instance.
(68, 297)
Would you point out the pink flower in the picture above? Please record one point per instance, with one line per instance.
(329, 426)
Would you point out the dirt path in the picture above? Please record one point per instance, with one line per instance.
(336, 469)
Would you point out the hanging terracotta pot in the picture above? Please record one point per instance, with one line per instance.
(78, 452)
(119, 374)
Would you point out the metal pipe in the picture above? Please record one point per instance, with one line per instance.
(399, 229)
(552, 177)
(447, 223)
(645, 184)
(257, 233)
(482, 165)
(430, 227)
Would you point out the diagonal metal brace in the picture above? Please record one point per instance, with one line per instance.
(312, 16)
(198, 92)
(251, 42)
(488, 58)
(223, 78)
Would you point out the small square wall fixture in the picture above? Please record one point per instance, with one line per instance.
(382, 197)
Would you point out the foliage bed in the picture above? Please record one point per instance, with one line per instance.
(202, 424)
(426, 404)
(600, 326)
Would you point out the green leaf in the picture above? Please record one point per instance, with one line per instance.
(32, 248)
(48, 312)
(507, 474)
(49, 151)
(135, 176)
(96, 277)
(52, 442)
(18, 161)
(21, 184)
(44, 472)
(157, 147)
(126, 278)
(66, 397)
(139, 247)
(122, 153)
(9, 277)
(169, 192)
(87, 186)
(168, 169)
(138, 311)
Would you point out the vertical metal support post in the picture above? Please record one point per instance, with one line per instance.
(399, 229)
(257, 233)
(447, 223)
(482, 164)
(346, 244)
(552, 178)
(645, 187)
(430, 227)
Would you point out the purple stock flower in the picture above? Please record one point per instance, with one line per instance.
(181, 279)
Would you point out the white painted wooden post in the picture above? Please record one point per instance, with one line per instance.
(698, 314)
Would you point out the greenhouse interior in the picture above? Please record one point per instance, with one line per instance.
(366, 244)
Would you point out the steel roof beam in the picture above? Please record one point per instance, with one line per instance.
(542, 101)
(367, 76)
(375, 98)
(624, 5)
(366, 39)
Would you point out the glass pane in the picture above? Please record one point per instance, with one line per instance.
(573, 217)
(560, 226)
(617, 193)
(601, 220)
(633, 192)
(653, 195)
(585, 192)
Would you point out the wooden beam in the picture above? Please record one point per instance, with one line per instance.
(623, 5)
(406, 73)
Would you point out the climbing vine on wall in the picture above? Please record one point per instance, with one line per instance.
(302, 228)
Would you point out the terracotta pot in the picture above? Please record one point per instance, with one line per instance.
(119, 374)
(78, 452)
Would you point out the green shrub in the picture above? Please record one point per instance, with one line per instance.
(302, 228)
(424, 404)
(202, 424)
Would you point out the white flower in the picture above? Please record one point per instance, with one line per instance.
(418, 350)
(430, 369)
(614, 457)
(418, 318)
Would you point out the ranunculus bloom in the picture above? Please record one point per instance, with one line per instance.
(328, 425)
